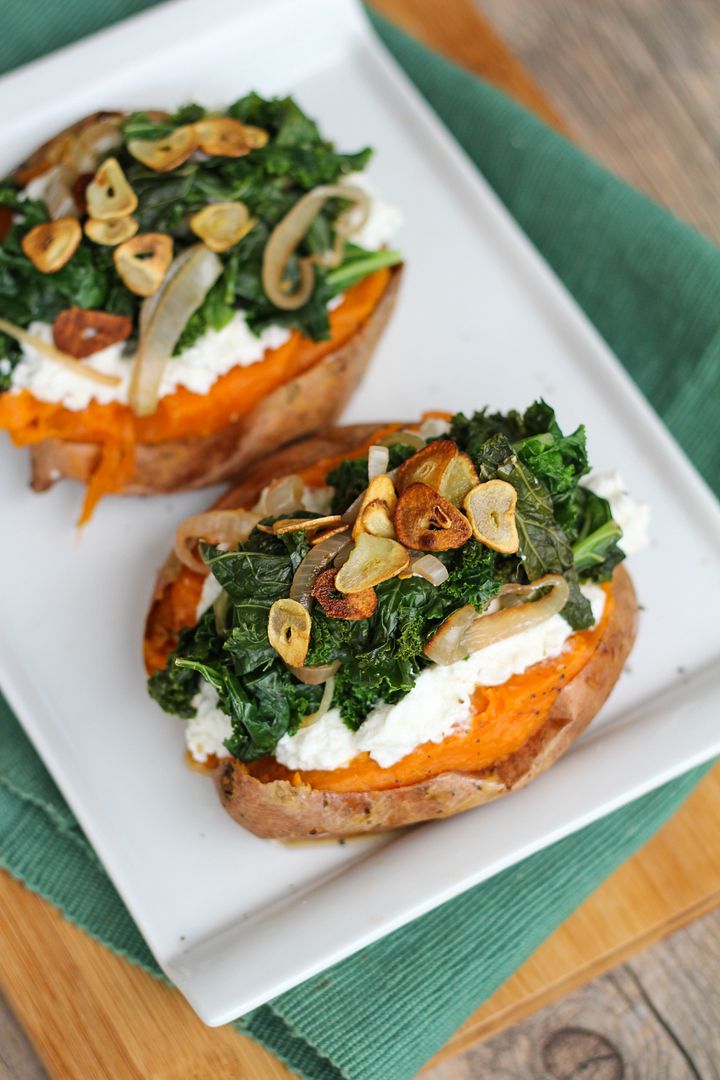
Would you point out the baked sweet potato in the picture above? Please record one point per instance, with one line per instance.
(191, 440)
(272, 801)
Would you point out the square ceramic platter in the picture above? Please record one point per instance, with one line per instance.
(234, 920)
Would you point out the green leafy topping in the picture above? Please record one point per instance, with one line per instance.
(563, 528)
(268, 180)
(596, 549)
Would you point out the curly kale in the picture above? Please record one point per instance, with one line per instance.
(563, 529)
(270, 180)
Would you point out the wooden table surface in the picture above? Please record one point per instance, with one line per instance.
(89, 1014)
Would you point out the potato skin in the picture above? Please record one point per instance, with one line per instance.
(280, 810)
(306, 404)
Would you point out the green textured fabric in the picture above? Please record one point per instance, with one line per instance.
(651, 286)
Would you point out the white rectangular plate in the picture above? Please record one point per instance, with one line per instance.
(234, 920)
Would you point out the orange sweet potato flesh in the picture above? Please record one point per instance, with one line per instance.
(194, 440)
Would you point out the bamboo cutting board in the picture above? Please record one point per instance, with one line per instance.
(91, 1014)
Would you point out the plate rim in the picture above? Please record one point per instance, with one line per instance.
(188, 968)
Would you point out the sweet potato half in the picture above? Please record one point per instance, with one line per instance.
(528, 723)
(196, 440)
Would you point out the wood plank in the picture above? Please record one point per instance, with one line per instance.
(650, 1017)
(637, 81)
(90, 1014)
(673, 879)
(458, 31)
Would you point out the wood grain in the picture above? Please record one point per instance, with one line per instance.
(673, 879)
(91, 1014)
(458, 31)
(651, 1018)
(94, 1016)
(638, 82)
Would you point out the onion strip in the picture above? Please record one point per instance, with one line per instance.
(378, 459)
(465, 632)
(48, 350)
(215, 527)
(325, 703)
(163, 318)
(430, 568)
(404, 438)
(508, 621)
(281, 497)
(313, 675)
(291, 231)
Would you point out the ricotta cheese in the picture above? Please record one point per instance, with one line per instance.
(438, 705)
(210, 592)
(206, 732)
(633, 517)
(212, 355)
(383, 220)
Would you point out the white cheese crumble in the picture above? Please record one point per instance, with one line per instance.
(438, 705)
(383, 219)
(206, 732)
(212, 355)
(210, 592)
(633, 517)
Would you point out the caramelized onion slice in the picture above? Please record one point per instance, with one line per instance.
(186, 285)
(444, 646)
(430, 568)
(282, 496)
(403, 438)
(325, 703)
(44, 347)
(314, 675)
(316, 560)
(95, 140)
(215, 527)
(59, 197)
(487, 629)
(289, 233)
(465, 632)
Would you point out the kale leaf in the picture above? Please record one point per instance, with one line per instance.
(596, 549)
(544, 547)
(556, 459)
(174, 687)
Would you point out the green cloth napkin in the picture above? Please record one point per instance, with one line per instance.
(651, 286)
